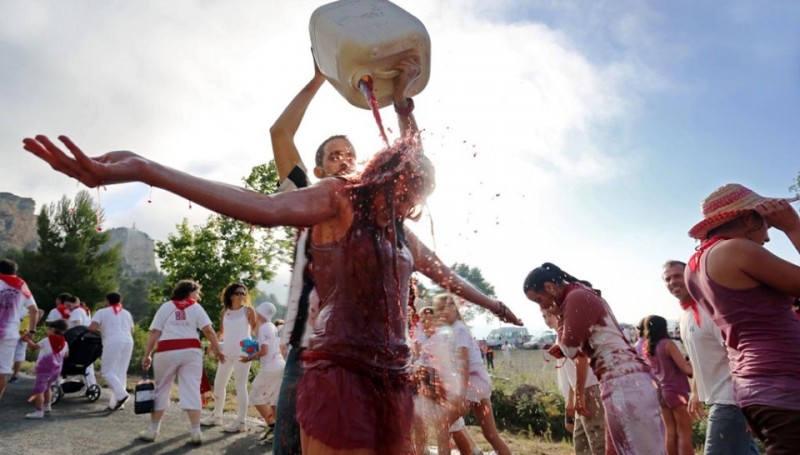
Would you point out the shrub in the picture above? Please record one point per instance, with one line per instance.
(528, 409)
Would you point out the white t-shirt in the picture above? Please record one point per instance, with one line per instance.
(13, 304)
(709, 358)
(54, 315)
(78, 317)
(114, 327)
(268, 336)
(463, 339)
(45, 349)
(176, 324)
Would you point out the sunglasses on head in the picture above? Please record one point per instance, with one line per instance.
(239, 293)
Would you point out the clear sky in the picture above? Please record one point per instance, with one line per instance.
(582, 133)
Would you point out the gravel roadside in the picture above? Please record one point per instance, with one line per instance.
(77, 426)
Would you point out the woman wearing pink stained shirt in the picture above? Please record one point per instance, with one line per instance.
(673, 372)
(587, 326)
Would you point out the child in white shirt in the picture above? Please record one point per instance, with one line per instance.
(53, 350)
(267, 384)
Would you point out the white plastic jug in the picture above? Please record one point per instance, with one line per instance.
(356, 38)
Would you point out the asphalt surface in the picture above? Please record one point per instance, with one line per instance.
(77, 426)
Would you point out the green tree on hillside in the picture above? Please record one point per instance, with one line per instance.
(71, 257)
(223, 250)
(474, 276)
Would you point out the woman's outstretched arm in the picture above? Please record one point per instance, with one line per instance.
(305, 207)
(427, 263)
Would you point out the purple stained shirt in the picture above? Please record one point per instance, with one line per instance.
(9, 313)
(762, 335)
(669, 375)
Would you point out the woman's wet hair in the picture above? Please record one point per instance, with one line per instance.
(227, 294)
(405, 163)
(183, 288)
(655, 330)
(548, 272)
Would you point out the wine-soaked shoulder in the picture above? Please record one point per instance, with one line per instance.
(335, 227)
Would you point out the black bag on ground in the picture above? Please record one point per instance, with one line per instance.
(144, 396)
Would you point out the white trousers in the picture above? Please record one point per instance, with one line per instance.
(116, 359)
(187, 366)
(90, 377)
(241, 374)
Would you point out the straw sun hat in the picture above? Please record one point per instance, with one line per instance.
(726, 203)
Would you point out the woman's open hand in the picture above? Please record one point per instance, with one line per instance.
(113, 167)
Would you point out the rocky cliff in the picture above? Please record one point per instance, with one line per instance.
(17, 223)
(18, 232)
(138, 250)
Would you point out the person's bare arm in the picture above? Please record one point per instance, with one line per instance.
(284, 129)
(696, 409)
(152, 339)
(755, 264)
(94, 327)
(581, 373)
(427, 263)
(305, 207)
(208, 331)
(33, 317)
(409, 72)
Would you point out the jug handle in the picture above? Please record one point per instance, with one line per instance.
(391, 74)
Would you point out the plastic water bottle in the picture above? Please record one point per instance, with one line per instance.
(356, 38)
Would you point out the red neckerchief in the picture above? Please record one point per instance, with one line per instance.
(183, 304)
(17, 283)
(693, 305)
(694, 261)
(57, 343)
(117, 307)
(64, 310)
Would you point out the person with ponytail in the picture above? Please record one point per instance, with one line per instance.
(587, 327)
(115, 325)
(672, 372)
(748, 292)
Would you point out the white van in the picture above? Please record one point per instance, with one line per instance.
(517, 336)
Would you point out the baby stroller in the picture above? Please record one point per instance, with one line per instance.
(85, 347)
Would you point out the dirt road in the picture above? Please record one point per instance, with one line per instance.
(78, 427)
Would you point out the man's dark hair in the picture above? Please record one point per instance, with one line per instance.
(321, 149)
(673, 262)
(8, 267)
(183, 289)
(64, 296)
(70, 298)
(113, 297)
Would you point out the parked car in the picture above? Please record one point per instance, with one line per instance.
(517, 336)
(544, 341)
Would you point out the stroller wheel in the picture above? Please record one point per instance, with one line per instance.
(56, 393)
(93, 392)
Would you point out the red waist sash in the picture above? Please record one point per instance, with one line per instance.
(179, 343)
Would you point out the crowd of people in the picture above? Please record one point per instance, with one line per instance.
(352, 349)
(738, 327)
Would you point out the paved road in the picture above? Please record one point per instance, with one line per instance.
(78, 427)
